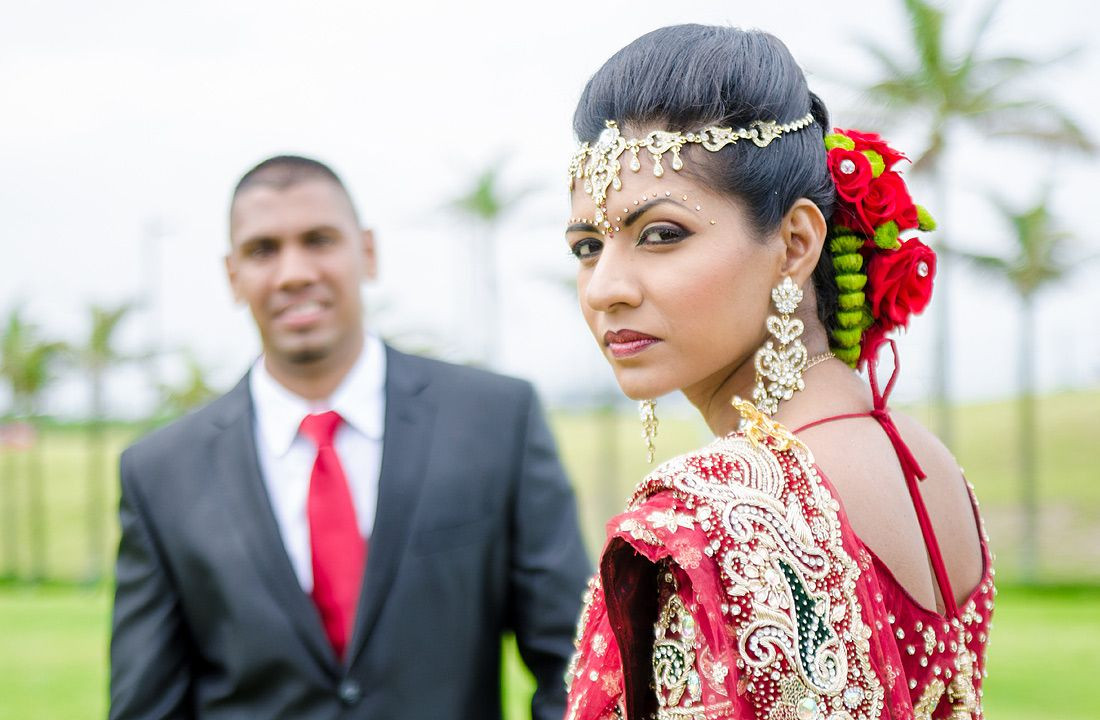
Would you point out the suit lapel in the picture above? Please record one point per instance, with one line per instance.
(238, 473)
(405, 447)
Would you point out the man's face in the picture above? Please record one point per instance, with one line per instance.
(298, 257)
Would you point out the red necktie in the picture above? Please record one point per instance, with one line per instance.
(339, 552)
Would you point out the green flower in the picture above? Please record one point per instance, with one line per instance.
(925, 221)
(835, 140)
(877, 163)
(886, 236)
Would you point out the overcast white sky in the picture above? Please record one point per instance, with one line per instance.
(119, 118)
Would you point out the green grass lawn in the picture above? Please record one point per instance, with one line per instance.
(53, 640)
(1042, 656)
(53, 653)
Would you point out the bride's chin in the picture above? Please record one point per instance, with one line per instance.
(638, 389)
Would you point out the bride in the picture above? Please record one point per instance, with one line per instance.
(823, 558)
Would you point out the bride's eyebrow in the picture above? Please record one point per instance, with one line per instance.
(582, 227)
(635, 214)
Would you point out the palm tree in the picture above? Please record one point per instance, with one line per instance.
(27, 363)
(1039, 259)
(947, 89)
(192, 391)
(486, 203)
(96, 358)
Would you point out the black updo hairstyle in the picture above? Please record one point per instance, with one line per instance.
(688, 77)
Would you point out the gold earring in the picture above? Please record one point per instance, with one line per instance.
(779, 370)
(648, 411)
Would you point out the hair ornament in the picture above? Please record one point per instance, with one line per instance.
(599, 167)
(883, 276)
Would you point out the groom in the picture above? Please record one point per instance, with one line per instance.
(348, 532)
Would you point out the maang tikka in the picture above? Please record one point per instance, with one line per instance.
(779, 369)
(647, 409)
(597, 164)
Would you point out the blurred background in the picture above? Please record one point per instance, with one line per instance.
(126, 126)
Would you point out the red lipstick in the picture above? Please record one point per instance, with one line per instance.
(626, 343)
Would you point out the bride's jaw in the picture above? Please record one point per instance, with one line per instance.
(648, 375)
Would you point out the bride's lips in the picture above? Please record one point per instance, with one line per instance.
(626, 343)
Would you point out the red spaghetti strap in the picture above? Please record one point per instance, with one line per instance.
(913, 475)
(831, 418)
(910, 468)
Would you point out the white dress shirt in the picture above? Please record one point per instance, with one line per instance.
(287, 456)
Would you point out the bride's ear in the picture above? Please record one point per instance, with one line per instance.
(802, 231)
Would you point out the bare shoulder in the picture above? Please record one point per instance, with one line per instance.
(944, 490)
(862, 464)
(938, 463)
(857, 450)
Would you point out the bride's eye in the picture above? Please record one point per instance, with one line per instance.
(587, 248)
(661, 235)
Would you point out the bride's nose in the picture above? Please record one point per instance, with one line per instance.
(614, 281)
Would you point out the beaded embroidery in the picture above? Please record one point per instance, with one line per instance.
(801, 641)
(766, 601)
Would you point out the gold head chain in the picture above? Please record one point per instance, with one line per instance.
(598, 165)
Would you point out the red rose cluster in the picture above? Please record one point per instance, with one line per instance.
(874, 204)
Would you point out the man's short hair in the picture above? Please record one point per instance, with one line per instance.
(282, 171)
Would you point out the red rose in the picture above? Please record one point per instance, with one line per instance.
(848, 215)
(899, 282)
(851, 173)
(907, 218)
(888, 199)
(871, 141)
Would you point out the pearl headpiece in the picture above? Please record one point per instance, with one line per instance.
(598, 165)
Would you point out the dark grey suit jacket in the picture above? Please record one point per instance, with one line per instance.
(476, 533)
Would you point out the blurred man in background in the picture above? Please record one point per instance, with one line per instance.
(350, 530)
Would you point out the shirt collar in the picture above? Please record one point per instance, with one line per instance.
(360, 399)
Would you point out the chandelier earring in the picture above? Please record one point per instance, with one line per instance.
(647, 409)
(783, 358)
